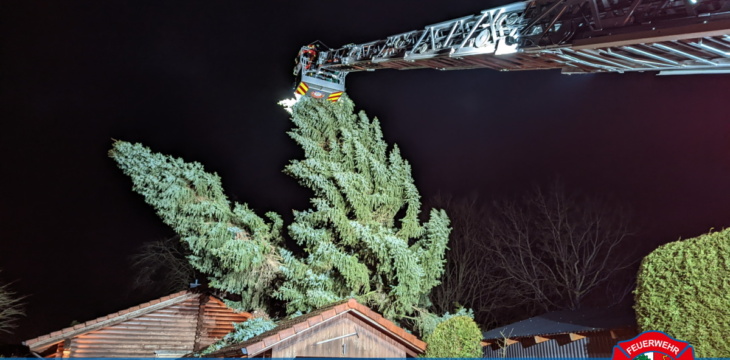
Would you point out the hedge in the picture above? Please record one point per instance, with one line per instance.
(683, 289)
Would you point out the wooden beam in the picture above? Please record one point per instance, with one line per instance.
(624, 333)
(540, 339)
(485, 343)
(66, 348)
(200, 322)
(574, 337)
(509, 342)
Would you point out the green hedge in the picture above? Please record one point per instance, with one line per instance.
(683, 289)
(457, 337)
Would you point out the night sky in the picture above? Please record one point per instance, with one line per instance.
(200, 80)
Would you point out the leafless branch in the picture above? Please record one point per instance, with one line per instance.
(471, 278)
(11, 307)
(161, 266)
(559, 246)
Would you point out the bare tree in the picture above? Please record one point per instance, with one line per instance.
(11, 307)
(462, 281)
(558, 247)
(161, 266)
(472, 278)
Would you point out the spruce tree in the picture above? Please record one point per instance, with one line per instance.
(362, 237)
(237, 249)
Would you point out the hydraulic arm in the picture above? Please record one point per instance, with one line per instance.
(576, 36)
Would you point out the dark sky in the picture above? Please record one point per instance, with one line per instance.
(200, 79)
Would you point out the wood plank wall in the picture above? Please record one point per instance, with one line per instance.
(369, 342)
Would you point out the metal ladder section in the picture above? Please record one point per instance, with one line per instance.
(576, 36)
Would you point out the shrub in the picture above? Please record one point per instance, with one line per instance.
(683, 290)
(457, 337)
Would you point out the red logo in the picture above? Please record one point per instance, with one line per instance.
(653, 345)
(317, 94)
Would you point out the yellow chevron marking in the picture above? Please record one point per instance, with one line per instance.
(302, 89)
(334, 96)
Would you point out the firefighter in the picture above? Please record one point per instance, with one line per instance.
(310, 53)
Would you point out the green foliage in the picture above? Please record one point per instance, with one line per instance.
(428, 321)
(241, 332)
(362, 236)
(236, 247)
(457, 337)
(682, 289)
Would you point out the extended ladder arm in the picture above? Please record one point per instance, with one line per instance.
(576, 36)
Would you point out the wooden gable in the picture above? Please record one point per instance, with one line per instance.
(347, 330)
(345, 336)
(167, 327)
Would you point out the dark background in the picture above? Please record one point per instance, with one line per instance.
(200, 80)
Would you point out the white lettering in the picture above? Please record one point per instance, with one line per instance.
(675, 350)
(636, 347)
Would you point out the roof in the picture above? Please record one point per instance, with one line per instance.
(42, 342)
(293, 326)
(566, 321)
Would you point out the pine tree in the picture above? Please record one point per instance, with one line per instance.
(362, 237)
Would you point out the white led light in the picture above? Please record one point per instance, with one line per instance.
(288, 103)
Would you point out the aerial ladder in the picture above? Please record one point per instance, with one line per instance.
(671, 37)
